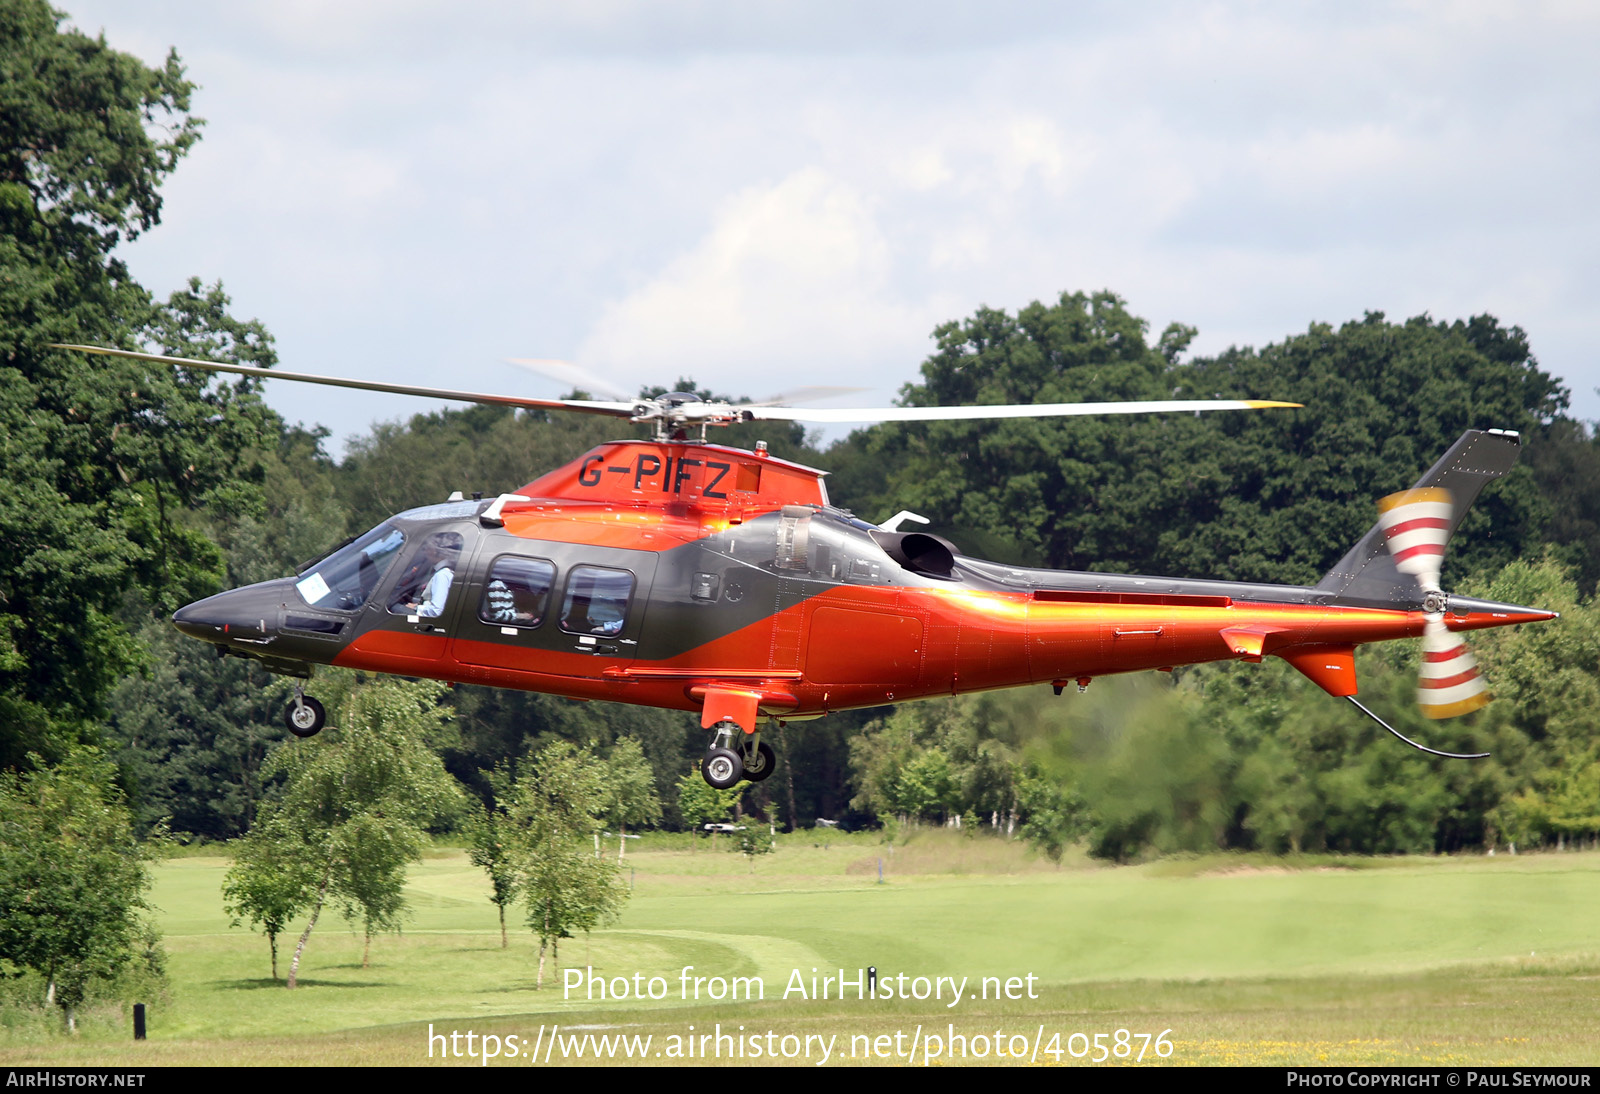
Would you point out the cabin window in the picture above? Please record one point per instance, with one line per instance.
(518, 591)
(596, 601)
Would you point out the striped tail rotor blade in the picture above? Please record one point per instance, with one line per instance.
(1449, 683)
(1416, 526)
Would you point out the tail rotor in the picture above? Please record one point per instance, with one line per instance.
(1449, 682)
(1416, 526)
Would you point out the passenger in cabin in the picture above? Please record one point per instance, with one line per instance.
(518, 591)
(499, 602)
(596, 601)
(605, 616)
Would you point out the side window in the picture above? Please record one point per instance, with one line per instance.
(596, 600)
(518, 591)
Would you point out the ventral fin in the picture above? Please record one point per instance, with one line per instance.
(1331, 668)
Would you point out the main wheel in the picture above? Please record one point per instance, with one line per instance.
(759, 762)
(305, 717)
(722, 768)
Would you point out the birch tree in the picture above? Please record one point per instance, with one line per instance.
(358, 800)
(567, 887)
(630, 797)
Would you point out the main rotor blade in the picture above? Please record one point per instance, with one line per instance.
(568, 373)
(581, 406)
(805, 395)
(1021, 410)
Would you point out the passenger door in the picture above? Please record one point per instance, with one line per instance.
(553, 608)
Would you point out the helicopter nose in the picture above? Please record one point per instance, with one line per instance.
(199, 620)
(239, 615)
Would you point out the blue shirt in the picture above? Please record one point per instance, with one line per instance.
(433, 597)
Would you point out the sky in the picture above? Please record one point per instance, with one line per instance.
(766, 196)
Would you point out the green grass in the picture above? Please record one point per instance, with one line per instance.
(1245, 959)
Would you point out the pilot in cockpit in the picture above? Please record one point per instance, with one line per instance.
(437, 571)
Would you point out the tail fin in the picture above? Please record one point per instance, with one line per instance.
(1369, 573)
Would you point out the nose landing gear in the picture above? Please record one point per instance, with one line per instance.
(305, 715)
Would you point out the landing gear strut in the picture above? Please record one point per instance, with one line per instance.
(729, 759)
(305, 715)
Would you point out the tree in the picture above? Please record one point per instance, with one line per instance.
(939, 760)
(73, 126)
(755, 839)
(490, 834)
(191, 735)
(630, 792)
(72, 877)
(191, 731)
(1054, 813)
(498, 726)
(371, 878)
(100, 461)
(700, 803)
(927, 785)
(1565, 461)
(270, 881)
(357, 799)
(567, 887)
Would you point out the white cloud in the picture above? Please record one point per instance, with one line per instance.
(1326, 161)
(792, 281)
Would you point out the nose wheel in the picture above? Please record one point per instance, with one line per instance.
(305, 715)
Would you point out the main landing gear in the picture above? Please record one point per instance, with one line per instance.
(305, 715)
(729, 759)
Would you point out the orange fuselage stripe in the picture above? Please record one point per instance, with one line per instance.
(970, 641)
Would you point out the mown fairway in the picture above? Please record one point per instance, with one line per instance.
(1473, 960)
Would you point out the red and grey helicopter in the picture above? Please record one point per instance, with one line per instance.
(676, 573)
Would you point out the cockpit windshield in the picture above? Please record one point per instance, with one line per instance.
(347, 577)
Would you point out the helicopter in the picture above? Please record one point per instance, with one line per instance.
(678, 573)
